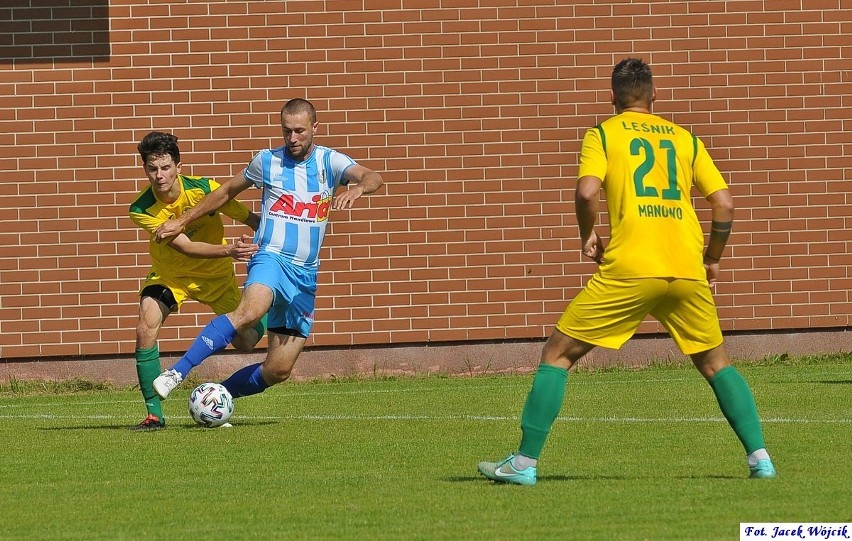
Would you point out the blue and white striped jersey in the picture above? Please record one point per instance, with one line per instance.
(296, 200)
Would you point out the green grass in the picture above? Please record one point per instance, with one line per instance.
(636, 454)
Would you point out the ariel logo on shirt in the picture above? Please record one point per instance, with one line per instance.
(316, 209)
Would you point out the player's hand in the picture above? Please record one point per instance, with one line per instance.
(593, 248)
(345, 200)
(168, 229)
(712, 269)
(243, 248)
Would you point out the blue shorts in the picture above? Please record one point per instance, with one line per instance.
(295, 290)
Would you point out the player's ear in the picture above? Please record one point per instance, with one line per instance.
(177, 167)
(612, 96)
(653, 93)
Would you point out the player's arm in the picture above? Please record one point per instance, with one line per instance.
(241, 249)
(253, 221)
(359, 181)
(237, 211)
(722, 221)
(208, 204)
(592, 171)
(587, 206)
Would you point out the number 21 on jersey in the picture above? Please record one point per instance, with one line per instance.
(640, 146)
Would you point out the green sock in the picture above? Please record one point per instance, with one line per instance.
(147, 369)
(541, 408)
(737, 404)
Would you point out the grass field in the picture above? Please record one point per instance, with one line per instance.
(635, 455)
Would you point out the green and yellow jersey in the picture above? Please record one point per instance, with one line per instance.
(648, 166)
(149, 213)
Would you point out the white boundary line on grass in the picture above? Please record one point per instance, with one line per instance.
(500, 418)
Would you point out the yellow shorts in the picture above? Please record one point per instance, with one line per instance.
(607, 312)
(220, 293)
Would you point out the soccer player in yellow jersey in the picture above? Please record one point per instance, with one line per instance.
(196, 264)
(655, 264)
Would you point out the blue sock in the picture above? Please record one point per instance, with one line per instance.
(213, 338)
(245, 381)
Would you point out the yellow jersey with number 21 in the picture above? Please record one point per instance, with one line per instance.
(648, 166)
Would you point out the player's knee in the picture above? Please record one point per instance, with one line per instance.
(273, 375)
(245, 318)
(711, 361)
(146, 335)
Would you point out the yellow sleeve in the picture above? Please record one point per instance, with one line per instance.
(235, 210)
(593, 154)
(146, 221)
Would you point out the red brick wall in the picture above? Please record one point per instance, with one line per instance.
(473, 112)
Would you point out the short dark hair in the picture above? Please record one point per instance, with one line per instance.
(298, 106)
(158, 143)
(632, 82)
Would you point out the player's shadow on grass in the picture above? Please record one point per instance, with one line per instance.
(546, 478)
(836, 381)
(549, 478)
(710, 476)
(127, 427)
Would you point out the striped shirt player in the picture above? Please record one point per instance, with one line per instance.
(296, 202)
(301, 183)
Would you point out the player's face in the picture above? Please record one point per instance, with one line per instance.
(162, 172)
(298, 134)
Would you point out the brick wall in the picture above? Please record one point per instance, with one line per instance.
(473, 112)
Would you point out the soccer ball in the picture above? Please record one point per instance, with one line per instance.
(211, 405)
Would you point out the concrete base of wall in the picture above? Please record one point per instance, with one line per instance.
(467, 359)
